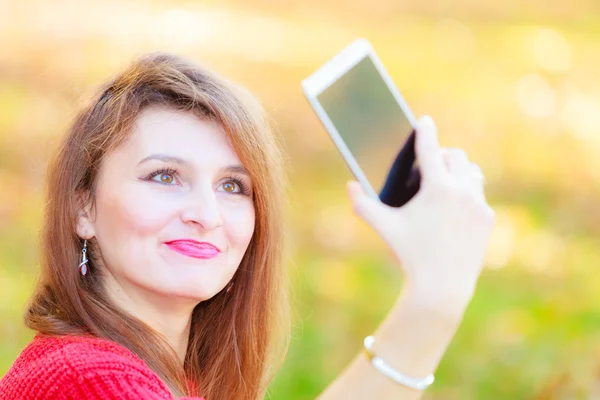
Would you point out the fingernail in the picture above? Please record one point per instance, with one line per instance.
(353, 187)
(427, 120)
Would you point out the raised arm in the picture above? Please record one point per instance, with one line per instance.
(439, 238)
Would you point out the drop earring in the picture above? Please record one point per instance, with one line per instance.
(83, 264)
(229, 286)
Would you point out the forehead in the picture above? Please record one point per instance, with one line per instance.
(179, 133)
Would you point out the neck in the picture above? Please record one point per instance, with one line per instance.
(172, 319)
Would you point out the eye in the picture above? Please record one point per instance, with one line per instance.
(231, 187)
(163, 176)
(236, 186)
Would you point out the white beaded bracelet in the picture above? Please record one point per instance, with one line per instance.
(393, 374)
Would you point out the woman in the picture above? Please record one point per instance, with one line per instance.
(161, 251)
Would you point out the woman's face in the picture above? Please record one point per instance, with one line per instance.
(173, 211)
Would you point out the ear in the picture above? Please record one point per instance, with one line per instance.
(85, 215)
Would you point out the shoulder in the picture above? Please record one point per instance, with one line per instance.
(61, 366)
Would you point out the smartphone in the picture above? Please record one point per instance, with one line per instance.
(368, 120)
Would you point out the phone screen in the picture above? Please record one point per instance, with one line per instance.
(374, 127)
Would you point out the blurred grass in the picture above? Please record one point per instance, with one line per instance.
(515, 84)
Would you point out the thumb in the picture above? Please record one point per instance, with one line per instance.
(373, 211)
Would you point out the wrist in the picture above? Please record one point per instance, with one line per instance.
(418, 330)
(438, 302)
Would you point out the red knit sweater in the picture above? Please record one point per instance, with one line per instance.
(80, 367)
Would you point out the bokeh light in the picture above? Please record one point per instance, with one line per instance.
(514, 83)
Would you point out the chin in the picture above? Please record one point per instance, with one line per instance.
(197, 282)
(199, 291)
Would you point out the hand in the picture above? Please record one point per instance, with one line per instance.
(440, 235)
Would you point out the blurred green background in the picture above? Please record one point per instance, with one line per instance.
(514, 83)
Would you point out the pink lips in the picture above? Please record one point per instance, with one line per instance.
(193, 248)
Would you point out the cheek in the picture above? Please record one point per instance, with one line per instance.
(126, 213)
(239, 225)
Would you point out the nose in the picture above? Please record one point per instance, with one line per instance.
(202, 208)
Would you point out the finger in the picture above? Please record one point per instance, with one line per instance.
(473, 181)
(373, 211)
(428, 150)
(477, 173)
(467, 173)
(478, 181)
(457, 162)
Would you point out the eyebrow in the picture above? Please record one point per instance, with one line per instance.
(165, 158)
(236, 168)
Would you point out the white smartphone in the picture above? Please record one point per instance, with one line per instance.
(368, 120)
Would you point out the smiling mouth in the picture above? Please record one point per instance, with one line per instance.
(194, 249)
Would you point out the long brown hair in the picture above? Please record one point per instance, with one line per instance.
(236, 338)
